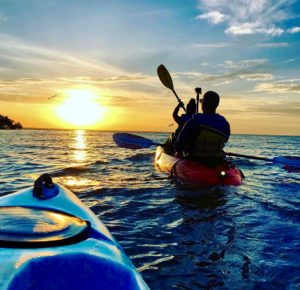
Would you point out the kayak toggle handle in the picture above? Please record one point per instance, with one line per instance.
(44, 188)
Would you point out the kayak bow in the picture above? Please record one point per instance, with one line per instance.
(50, 240)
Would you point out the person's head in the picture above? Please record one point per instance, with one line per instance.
(210, 101)
(191, 107)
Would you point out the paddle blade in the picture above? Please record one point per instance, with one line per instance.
(131, 141)
(165, 77)
(289, 163)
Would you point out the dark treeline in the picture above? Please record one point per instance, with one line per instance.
(6, 123)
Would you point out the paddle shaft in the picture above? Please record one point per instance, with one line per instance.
(234, 154)
(178, 99)
(249, 156)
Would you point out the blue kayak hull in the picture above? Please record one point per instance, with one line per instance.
(96, 262)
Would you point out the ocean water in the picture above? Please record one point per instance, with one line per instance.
(245, 237)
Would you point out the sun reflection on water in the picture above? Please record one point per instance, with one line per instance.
(80, 146)
(74, 178)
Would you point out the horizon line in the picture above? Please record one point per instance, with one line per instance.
(141, 131)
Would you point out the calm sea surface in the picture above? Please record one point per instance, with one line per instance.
(245, 237)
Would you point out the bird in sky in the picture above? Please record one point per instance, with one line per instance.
(52, 97)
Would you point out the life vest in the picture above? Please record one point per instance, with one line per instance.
(208, 143)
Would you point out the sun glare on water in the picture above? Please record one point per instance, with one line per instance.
(81, 109)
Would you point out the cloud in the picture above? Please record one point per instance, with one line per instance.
(227, 78)
(243, 29)
(213, 45)
(273, 31)
(112, 79)
(214, 17)
(273, 44)
(191, 75)
(243, 64)
(225, 83)
(121, 101)
(245, 107)
(23, 99)
(247, 70)
(122, 78)
(286, 86)
(257, 76)
(34, 60)
(253, 28)
(294, 30)
(31, 82)
(291, 109)
(248, 17)
(290, 60)
(41, 71)
(279, 108)
(42, 87)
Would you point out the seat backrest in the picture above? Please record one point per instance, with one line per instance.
(208, 143)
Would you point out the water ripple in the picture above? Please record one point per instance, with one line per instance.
(178, 237)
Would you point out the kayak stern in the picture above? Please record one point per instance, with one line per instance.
(186, 170)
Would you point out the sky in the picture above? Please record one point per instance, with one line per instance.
(92, 64)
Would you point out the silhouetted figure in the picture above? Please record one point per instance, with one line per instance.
(180, 120)
(183, 118)
(203, 137)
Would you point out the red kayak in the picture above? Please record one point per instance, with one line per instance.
(225, 173)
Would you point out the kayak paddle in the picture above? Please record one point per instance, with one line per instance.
(132, 141)
(167, 81)
(289, 163)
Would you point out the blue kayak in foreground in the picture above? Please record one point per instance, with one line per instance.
(50, 240)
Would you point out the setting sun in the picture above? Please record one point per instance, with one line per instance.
(81, 109)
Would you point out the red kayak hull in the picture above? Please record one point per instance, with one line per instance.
(225, 173)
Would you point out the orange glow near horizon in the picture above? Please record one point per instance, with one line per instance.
(81, 109)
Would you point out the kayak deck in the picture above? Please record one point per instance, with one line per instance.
(225, 173)
(95, 262)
